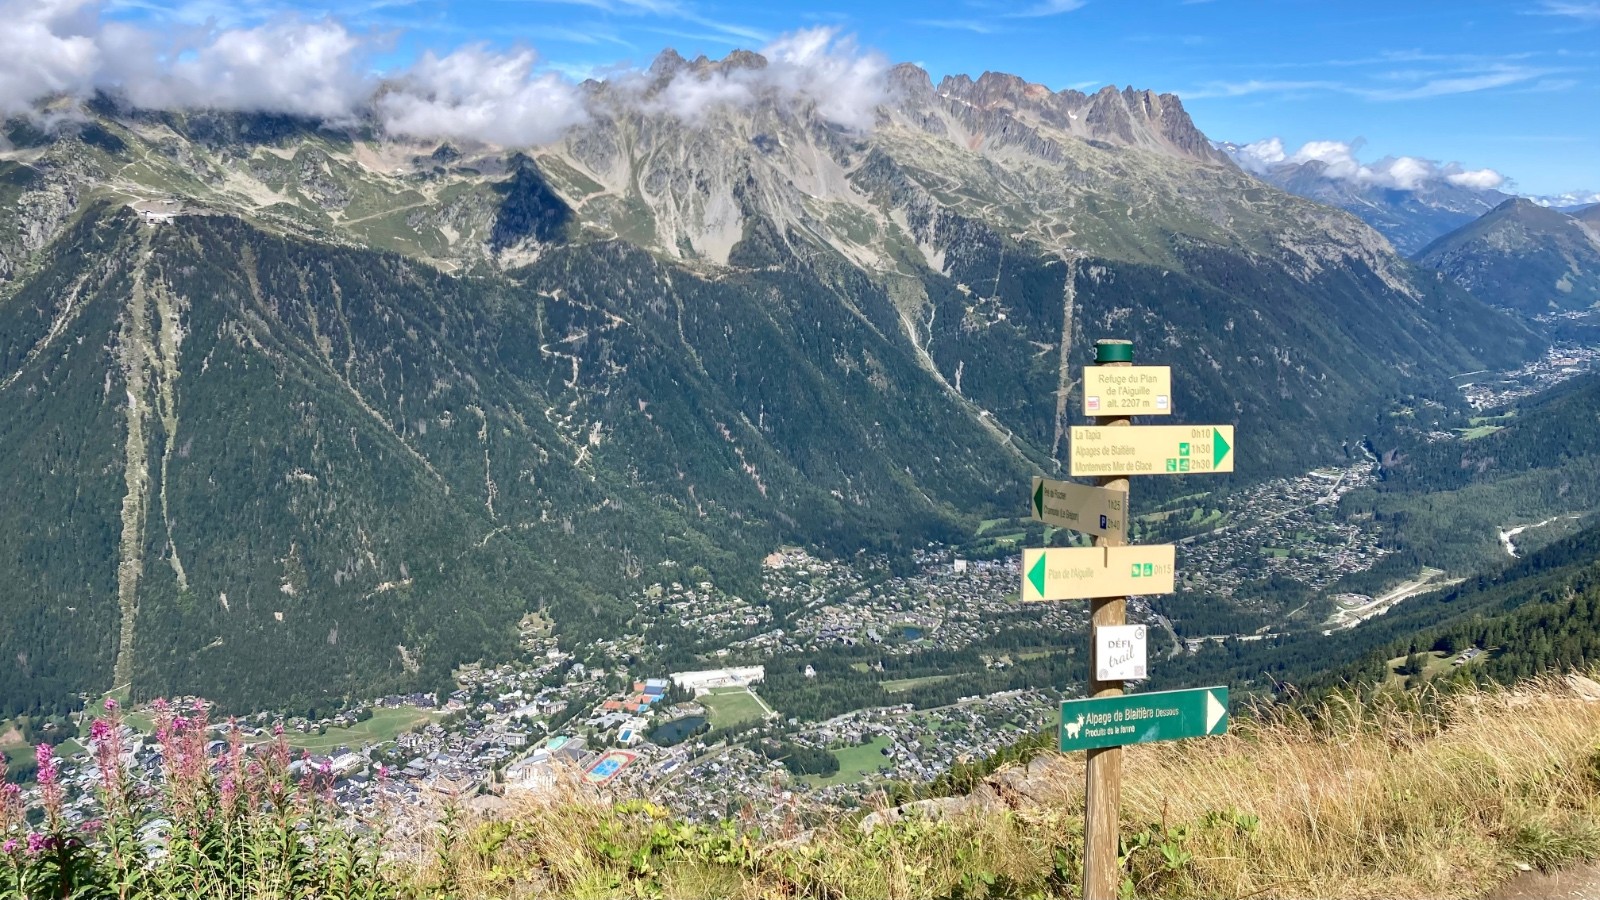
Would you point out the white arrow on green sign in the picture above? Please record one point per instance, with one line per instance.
(1140, 718)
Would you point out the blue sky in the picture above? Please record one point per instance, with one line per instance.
(1509, 86)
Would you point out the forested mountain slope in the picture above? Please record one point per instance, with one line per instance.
(1522, 256)
(1444, 500)
(297, 412)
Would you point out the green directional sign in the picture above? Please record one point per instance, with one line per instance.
(1151, 449)
(1140, 718)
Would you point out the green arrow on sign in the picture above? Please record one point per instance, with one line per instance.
(1038, 501)
(1036, 575)
(1219, 448)
(1138, 718)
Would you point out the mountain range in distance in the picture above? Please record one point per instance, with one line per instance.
(1411, 202)
(297, 412)
(1523, 256)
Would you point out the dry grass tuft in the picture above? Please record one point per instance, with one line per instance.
(1399, 797)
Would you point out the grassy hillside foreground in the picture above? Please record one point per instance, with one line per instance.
(1443, 797)
(1408, 796)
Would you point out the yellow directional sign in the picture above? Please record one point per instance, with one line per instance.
(1151, 449)
(1127, 391)
(1080, 507)
(1082, 573)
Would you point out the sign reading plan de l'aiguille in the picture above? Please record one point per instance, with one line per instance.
(1140, 718)
(1083, 573)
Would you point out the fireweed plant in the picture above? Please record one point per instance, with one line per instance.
(224, 826)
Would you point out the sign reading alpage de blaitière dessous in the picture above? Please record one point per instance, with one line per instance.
(1139, 718)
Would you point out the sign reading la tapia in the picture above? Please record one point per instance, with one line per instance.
(1151, 450)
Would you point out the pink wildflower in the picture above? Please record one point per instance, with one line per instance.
(233, 768)
(106, 735)
(49, 779)
(111, 704)
(10, 846)
(37, 843)
(11, 810)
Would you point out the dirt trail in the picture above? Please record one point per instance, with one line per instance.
(1580, 882)
(136, 352)
(1064, 381)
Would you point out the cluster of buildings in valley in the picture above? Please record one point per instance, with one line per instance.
(1284, 527)
(548, 720)
(703, 609)
(897, 743)
(947, 604)
(1490, 390)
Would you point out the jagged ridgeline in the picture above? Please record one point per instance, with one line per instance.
(294, 413)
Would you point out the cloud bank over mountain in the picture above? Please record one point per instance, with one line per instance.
(322, 69)
(1339, 162)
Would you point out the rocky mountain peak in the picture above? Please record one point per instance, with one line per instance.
(667, 64)
(910, 80)
(1122, 118)
(1522, 206)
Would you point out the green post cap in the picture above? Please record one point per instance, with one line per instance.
(1113, 352)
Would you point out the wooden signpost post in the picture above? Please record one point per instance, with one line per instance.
(1110, 450)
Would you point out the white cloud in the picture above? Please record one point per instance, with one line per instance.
(1477, 179)
(306, 68)
(846, 83)
(321, 69)
(1388, 86)
(843, 82)
(1586, 12)
(973, 25)
(1340, 163)
(1337, 157)
(1404, 172)
(1260, 156)
(478, 94)
(690, 96)
(46, 47)
(1049, 8)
